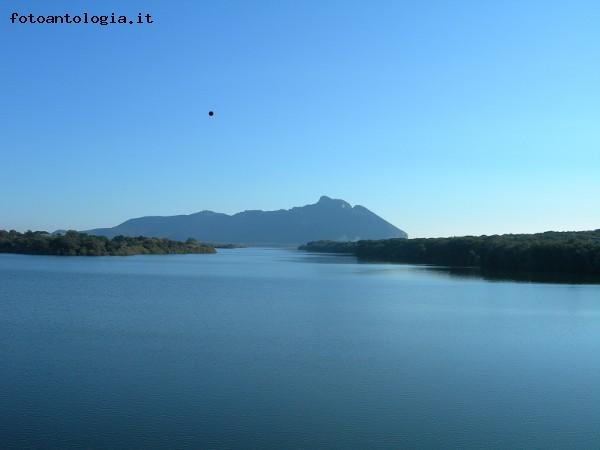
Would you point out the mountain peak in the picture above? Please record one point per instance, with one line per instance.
(325, 200)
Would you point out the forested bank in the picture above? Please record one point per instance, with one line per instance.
(550, 252)
(73, 243)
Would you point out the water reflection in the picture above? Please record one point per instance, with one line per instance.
(379, 267)
(523, 277)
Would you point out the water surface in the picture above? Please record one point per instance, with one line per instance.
(261, 348)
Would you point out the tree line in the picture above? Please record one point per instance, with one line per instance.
(72, 243)
(549, 252)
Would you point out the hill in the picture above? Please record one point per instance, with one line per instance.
(328, 219)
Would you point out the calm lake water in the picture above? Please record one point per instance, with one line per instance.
(278, 349)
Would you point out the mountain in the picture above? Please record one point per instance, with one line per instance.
(329, 219)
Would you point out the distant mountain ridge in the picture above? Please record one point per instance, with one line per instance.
(330, 219)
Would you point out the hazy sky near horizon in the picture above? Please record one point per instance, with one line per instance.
(445, 118)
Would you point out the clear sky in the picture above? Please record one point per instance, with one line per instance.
(445, 118)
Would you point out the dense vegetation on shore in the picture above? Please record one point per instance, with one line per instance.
(73, 243)
(550, 252)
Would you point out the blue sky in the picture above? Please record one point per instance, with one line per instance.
(446, 118)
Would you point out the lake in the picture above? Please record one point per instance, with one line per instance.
(278, 349)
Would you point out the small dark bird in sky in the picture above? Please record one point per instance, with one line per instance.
(211, 113)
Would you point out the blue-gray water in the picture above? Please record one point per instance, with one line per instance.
(276, 349)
